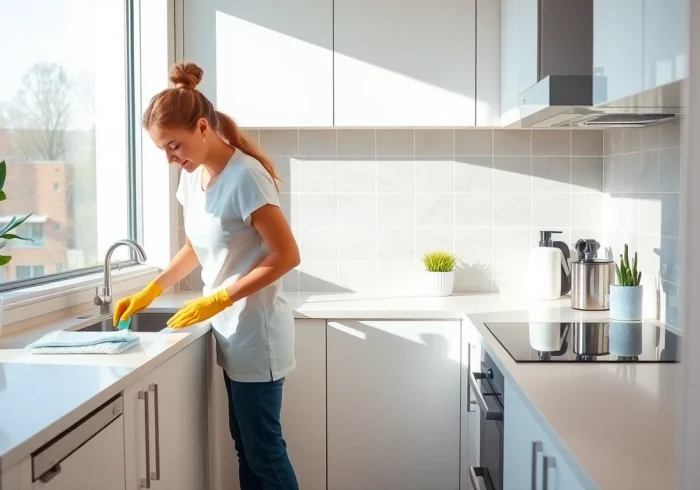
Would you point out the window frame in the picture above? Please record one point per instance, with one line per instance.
(134, 212)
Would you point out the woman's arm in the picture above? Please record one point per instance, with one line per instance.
(284, 253)
(184, 262)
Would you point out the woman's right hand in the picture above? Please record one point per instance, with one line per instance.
(126, 307)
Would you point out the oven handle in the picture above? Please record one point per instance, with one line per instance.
(478, 481)
(481, 401)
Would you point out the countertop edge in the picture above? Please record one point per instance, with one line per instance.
(23, 450)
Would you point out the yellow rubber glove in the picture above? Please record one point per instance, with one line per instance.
(126, 307)
(200, 309)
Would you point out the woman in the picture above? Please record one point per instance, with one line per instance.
(237, 232)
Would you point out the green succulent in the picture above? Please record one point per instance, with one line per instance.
(5, 234)
(626, 275)
(439, 261)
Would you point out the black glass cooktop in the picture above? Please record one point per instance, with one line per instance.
(608, 341)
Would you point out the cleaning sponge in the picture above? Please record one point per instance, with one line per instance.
(124, 324)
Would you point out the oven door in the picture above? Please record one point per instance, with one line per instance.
(489, 475)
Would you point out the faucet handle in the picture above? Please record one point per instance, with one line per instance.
(103, 296)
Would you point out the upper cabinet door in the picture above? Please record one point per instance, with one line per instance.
(405, 63)
(266, 63)
(665, 41)
(618, 49)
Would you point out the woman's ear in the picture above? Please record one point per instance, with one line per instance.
(203, 126)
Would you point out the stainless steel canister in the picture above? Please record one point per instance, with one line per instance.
(590, 284)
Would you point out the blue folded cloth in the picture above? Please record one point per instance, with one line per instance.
(66, 342)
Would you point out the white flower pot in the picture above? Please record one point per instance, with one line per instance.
(626, 302)
(439, 283)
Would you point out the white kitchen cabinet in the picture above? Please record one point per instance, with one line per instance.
(618, 49)
(404, 63)
(393, 405)
(528, 449)
(304, 405)
(510, 54)
(96, 465)
(556, 474)
(638, 45)
(665, 42)
(266, 63)
(303, 414)
(488, 63)
(528, 44)
(521, 452)
(165, 424)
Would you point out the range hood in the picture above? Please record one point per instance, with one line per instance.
(564, 93)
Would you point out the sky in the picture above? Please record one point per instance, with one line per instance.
(48, 30)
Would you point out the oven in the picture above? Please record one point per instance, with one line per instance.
(486, 388)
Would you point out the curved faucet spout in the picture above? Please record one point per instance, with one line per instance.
(103, 296)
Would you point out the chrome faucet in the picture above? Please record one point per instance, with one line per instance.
(103, 295)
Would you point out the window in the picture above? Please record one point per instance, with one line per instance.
(29, 271)
(66, 106)
(33, 231)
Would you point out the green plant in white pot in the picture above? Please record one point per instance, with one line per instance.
(439, 272)
(626, 297)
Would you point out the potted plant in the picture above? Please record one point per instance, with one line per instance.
(626, 296)
(440, 274)
(6, 232)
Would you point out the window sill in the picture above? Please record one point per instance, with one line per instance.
(26, 303)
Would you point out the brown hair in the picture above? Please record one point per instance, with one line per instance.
(183, 105)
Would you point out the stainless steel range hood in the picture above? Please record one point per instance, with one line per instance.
(564, 93)
(567, 101)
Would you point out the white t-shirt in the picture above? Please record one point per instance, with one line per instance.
(255, 336)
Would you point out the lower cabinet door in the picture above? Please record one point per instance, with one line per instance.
(166, 428)
(304, 406)
(96, 465)
(393, 405)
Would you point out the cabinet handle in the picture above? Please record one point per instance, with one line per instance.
(469, 385)
(547, 463)
(536, 448)
(481, 401)
(146, 482)
(156, 413)
(477, 479)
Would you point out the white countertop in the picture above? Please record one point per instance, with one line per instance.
(617, 422)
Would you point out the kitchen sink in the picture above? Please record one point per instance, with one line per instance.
(140, 322)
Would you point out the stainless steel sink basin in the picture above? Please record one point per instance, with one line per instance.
(140, 322)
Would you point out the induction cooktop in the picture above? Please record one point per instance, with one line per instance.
(608, 341)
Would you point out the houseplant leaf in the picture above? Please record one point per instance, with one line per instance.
(12, 236)
(3, 196)
(5, 259)
(3, 174)
(14, 223)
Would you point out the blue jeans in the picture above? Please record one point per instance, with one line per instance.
(254, 419)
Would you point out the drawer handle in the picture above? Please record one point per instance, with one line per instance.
(146, 482)
(481, 401)
(477, 480)
(548, 462)
(49, 475)
(156, 413)
(536, 448)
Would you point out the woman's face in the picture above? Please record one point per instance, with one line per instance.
(187, 149)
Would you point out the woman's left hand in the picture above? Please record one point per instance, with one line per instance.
(200, 309)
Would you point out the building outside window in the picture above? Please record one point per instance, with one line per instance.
(66, 106)
(29, 271)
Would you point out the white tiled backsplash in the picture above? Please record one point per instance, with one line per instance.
(642, 208)
(366, 204)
